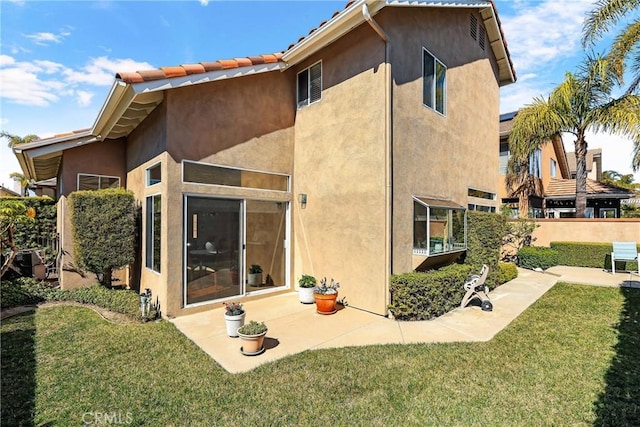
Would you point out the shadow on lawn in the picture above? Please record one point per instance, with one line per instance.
(618, 405)
(18, 371)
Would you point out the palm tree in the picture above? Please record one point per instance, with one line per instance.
(25, 183)
(626, 45)
(579, 104)
(17, 140)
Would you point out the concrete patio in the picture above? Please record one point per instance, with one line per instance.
(295, 327)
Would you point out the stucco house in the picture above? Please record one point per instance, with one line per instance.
(354, 154)
(554, 171)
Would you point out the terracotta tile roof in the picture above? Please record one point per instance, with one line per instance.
(558, 188)
(223, 64)
(202, 67)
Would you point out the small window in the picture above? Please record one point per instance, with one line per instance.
(310, 85)
(154, 175)
(553, 168)
(152, 234)
(97, 182)
(434, 75)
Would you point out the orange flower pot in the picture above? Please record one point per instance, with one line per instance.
(325, 303)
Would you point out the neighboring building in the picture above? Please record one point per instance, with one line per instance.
(593, 164)
(553, 171)
(351, 155)
(5, 192)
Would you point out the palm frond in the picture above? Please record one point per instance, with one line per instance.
(623, 46)
(605, 16)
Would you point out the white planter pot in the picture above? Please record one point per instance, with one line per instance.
(305, 295)
(255, 279)
(233, 323)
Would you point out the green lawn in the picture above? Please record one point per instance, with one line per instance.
(573, 358)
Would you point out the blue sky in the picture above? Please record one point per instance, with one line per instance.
(58, 59)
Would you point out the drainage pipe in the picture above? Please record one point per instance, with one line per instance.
(388, 193)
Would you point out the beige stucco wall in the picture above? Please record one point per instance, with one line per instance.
(586, 230)
(100, 158)
(244, 122)
(433, 155)
(340, 165)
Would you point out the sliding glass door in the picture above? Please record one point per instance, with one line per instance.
(226, 240)
(213, 248)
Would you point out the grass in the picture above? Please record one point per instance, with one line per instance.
(571, 359)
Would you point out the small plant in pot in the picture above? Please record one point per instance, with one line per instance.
(307, 284)
(252, 336)
(234, 317)
(255, 275)
(325, 296)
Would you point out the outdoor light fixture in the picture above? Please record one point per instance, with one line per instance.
(302, 198)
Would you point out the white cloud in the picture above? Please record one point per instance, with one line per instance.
(204, 2)
(102, 70)
(43, 82)
(3, 121)
(84, 97)
(543, 32)
(45, 39)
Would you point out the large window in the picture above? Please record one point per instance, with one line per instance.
(310, 85)
(535, 163)
(97, 182)
(438, 227)
(152, 238)
(434, 75)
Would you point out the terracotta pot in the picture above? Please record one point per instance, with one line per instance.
(252, 344)
(233, 323)
(325, 303)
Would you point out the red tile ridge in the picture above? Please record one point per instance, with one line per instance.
(203, 67)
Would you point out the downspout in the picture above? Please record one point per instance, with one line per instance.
(388, 193)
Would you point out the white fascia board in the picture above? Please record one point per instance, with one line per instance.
(333, 29)
(441, 3)
(59, 147)
(114, 99)
(211, 76)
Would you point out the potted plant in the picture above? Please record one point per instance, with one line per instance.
(325, 296)
(255, 275)
(234, 317)
(305, 292)
(252, 338)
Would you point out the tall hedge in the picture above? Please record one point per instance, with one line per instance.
(484, 240)
(103, 230)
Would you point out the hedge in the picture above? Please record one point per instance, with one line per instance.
(589, 254)
(533, 257)
(506, 272)
(29, 291)
(484, 240)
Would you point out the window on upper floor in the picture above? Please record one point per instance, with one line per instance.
(553, 168)
(535, 163)
(97, 182)
(434, 82)
(504, 157)
(310, 85)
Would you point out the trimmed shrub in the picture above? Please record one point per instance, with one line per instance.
(537, 257)
(484, 241)
(104, 226)
(29, 291)
(423, 296)
(589, 254)
(507, 271)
